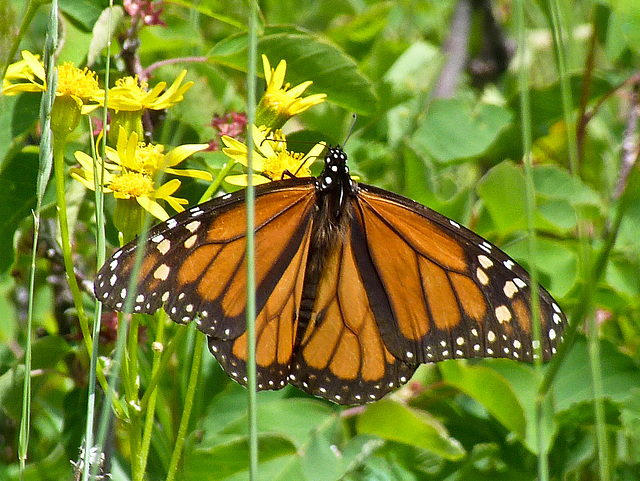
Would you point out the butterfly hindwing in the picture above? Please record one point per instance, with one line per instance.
(342, 355)
(276, 329)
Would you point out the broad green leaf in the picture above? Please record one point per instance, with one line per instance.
(522, 379)
(553, 182)
(83, 13)
(108, 23)
(502, 191)
(48, 351)
(491, 390)
(546, 107)
(396, 422)
(231, 458)
(414, 70)
(628, 18)
(624, 277)
(556, 262)
(309, 57)
(630, 418)
(11, 390)
(573, 383)
(25, 113)
(454, 130)
(294, 418)
(557, 212)
(17, 199)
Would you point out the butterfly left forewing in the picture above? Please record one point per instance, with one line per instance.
(194, 264)
(450, 293)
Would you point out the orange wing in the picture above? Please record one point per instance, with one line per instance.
(194, 265)
(342, 355)
(439, 291)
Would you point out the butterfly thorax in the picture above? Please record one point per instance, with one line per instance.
(334, 188)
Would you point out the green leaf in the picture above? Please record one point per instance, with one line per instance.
(414, 70)
(521, 378)
(309, 57)
(573, 382)
(108, 23)
(546, 108)
(454, 130)
(628, 20)
(83, 13)
(232, 458)
(17, 199)
(396, 422)
(293, 418)
(502, 191)
(48, 351)
(491, 390)
(556, 261)
(553, 182)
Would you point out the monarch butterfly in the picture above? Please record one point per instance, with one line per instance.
(355, 286)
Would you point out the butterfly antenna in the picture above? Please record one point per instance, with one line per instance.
(353, 124)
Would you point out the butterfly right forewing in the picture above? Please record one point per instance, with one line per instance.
(451, 294)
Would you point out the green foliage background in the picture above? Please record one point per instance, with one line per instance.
(460, 155)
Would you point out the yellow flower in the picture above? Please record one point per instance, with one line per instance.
(131, 170)
(271, 159)
(280, 102)
(27, 75)
(129, 94)
(28, 72)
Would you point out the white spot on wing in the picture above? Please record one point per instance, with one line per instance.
(162, 272)
(482, 277)
(509, 289)
(193, 226)
(503, 314)
(164, 246)
(485, 261)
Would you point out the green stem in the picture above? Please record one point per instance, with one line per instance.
(167, 353)
(213, 187)
(130, 379)
(151, 393)
(188, 406)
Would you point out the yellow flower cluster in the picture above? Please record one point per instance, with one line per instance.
(133, 169)
(271, 159)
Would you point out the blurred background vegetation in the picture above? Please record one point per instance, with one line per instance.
(434, 85)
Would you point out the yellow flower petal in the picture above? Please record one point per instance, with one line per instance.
(167, 189)
(242, 179)
(34, 64)
(181, 152)
(193, 173)
(176, 203)
(152, 207)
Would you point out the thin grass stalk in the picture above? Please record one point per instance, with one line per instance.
(251, 281)
(100, 258)
(559, 31)
(44, 174)
(525, 118)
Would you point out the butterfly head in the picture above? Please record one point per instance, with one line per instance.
(336, 172)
